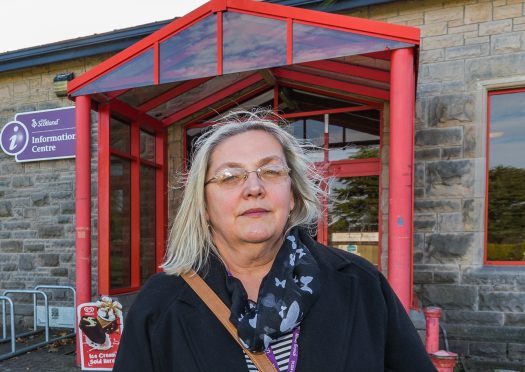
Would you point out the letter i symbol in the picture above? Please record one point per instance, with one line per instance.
(12, 144)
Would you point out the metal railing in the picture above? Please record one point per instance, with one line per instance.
(39, 290)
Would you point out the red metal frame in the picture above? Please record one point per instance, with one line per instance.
(289, 14)
(103, 199)
(401, 168)
(350, 70)
(302, 77)
(485, 242)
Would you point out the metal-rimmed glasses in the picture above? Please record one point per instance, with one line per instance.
(232, 177)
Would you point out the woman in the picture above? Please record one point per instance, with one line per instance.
(249, 194)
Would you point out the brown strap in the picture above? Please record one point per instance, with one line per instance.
(222, 313)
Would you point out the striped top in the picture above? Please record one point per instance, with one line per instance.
(281, 349)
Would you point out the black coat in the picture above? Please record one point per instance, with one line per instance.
(357, 324)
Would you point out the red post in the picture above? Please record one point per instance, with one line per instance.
(401, 168)
(432, 315)
(444, 361)
(83, 202)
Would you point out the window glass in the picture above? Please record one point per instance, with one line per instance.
(353, 216)
(506, 194)
(119, 135)
(311, 131)
(147, 222)
(252, 42)
(147, 146)
(120, 223)
(137, 72)
(312, 43)
(191, 53)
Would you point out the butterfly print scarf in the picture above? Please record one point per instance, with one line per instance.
(286, 294)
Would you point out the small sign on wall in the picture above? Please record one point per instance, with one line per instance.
(40, 135)
(100, 329)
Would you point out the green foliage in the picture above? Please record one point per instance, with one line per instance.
(506, 214)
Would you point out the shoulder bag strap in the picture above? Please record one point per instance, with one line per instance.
(222, 313)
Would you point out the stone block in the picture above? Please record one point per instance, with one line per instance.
(491, 277)
(450, 178)
(5, 208)
(66, 257)
(463, 29)
(10, 267)
(11, 246)
(517, 351)
(431, 56)
(447, 247)
(16, 225)
(449, 296)
(68, 207)
(61, 195)
(495, 66)
(443, 15)
(22, 181)
(467, 51)
(451, 110)
(423, 277)
(478, 13)
(433, 29)
(448, 153)
(495, 27)
(442, 72)
(515, 319)
(506, 43)
(502, 301)
(59, 271)
(47, 260)
(40, 199)
(48, 177)
(443, 41)
(419, 174)
(50, 231)
(459, 346)
(450, 222)
(437, 206)
(473, 214)
(424, 222)
(26, 262)
(23, 234)
(508, 11)
(428, 154)
(474, 317)
(477, 40)
(32, 247)
(448, 277)
(429, 89)
(51, 210)
(439, 136)
(471, 141)
(488, 349)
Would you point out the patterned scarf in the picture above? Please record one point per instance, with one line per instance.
(286, 294)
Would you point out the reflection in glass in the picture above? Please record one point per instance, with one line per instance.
(191, 53)
(311, 132)
(119, 135)
(312, 43)
(137, 72)
(506, 209)
(252, 42)
(147, 146)
(119, 223)
(147, 222)
(353, 216)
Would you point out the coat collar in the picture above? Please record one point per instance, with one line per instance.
(325, 330)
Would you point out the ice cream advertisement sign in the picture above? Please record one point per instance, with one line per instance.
(40, 135)
(100, 328)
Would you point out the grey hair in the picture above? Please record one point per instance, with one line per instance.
(190, 239)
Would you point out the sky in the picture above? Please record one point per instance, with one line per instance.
(28, 23)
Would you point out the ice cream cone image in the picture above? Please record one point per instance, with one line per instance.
(107, 314)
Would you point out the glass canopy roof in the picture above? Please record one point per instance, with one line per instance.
(242, 48)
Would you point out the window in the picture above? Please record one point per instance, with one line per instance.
(505, 212)
(131, 202)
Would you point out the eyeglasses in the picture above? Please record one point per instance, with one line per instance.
(232, 177)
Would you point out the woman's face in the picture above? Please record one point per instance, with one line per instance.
(255, 211)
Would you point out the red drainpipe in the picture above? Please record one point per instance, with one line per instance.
(401, 166)
(83, 202)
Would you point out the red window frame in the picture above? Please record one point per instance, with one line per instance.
(105, 153)
(485, 260)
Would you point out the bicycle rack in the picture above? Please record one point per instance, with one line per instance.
(37, 291)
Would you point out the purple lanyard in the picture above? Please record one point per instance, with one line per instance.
(294, 353)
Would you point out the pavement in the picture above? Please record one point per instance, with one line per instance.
(57, 357)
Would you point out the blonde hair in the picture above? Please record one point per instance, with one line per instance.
(190, 239)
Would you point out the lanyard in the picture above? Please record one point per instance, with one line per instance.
(294, 353)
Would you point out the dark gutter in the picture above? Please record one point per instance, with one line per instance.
(108, 42)
(329, 5)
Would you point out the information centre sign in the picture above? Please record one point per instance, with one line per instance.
(40, 135)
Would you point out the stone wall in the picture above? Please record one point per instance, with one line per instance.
(37, 199)
(467, 48)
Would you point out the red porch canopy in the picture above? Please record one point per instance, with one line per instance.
(229, 51)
